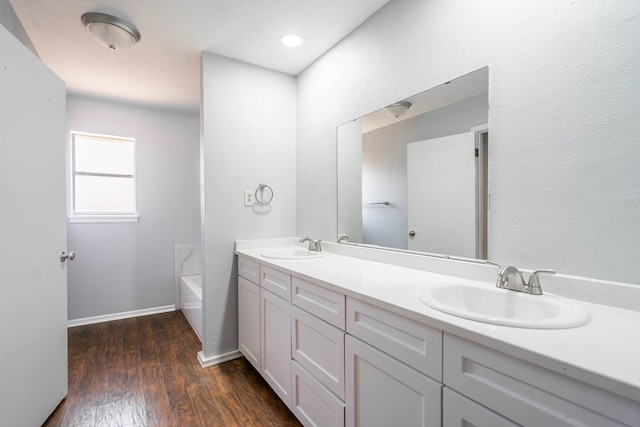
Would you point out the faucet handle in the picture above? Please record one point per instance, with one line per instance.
(534, 280)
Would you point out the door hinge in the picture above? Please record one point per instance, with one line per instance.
(477, 153)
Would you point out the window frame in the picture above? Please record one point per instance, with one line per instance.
(96, 217)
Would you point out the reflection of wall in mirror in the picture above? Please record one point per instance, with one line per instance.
(350, 194)
(384, 165)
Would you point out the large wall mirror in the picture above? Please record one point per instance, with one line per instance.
(413, 175)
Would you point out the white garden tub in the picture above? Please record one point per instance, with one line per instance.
(191, 301)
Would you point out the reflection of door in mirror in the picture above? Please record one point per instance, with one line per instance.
(447, 194)
(441, 195)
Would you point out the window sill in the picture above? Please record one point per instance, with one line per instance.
(102, 218)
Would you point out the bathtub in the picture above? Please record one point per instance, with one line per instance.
(191, 301)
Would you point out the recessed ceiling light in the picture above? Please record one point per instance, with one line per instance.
(291, 40)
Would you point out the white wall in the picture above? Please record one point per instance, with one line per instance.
(384, 165)
(10, 21)
(123, 267)
(564, 100)
(249, 138)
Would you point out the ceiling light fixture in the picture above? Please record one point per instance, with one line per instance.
(291, 40)
(111, 31)
(397, 109)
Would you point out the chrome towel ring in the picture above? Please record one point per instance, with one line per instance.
(263, 194)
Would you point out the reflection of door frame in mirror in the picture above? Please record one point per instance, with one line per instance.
(482, 191)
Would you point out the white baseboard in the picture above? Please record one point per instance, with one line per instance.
(118, 316)
(221, 358)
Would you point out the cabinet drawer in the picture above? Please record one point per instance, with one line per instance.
(381, 391)
(276, 282)
(312, 403)
(528, 394)
(458, 411)
(321, 302)
(411, 342)
(319, 347)
(249, 269)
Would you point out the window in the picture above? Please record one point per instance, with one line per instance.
(103, 179)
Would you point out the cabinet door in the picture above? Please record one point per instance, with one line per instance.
(312, 403)
(276, 344)
(381, 391)
(319, 348)
(249, 321)
(458, 411)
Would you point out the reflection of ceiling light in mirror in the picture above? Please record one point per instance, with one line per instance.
(291, 40)
(397, 109)
(111, 31)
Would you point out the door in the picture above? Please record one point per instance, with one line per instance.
(33, 280)
(441, 195)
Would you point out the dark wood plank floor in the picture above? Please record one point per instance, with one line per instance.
(144, 372)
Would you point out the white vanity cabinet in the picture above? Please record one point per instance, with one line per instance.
(524, 393)
(340, 344)
(393, 367)
(317, 347)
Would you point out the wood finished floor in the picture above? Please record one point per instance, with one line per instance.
(144, 372)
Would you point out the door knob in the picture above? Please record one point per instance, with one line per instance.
(67, 256)
(412, 234)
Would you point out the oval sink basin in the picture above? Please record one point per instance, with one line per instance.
(504, 307)
(292, 253)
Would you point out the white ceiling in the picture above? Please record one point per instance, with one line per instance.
(163, 69)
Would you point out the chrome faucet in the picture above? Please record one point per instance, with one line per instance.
(343, 238)
(509, 277)
(314, 245)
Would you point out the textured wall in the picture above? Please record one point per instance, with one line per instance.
(564, 119)
(129, 266)
(249, 138)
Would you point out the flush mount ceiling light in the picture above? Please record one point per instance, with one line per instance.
(111, 31)
(291, 40)
(397, 109)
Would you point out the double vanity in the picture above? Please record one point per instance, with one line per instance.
(365, 337)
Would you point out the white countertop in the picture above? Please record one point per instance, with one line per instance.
(604, 353)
